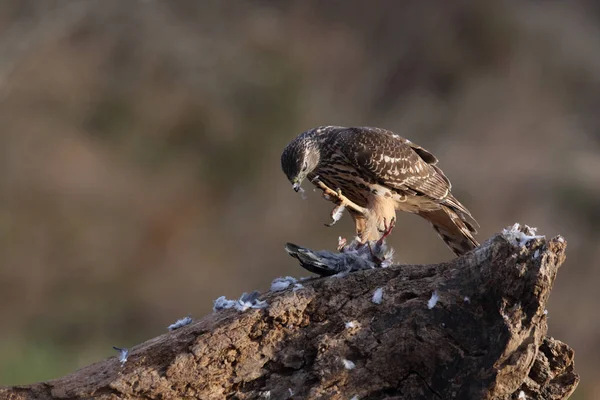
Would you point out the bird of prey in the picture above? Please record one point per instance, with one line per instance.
(373, 172)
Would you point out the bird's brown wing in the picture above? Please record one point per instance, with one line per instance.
(397, 163)
(394, 162)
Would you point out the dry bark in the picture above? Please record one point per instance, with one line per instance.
(485, 338)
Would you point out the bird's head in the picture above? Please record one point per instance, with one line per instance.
(300, 158)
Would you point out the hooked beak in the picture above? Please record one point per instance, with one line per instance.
(296, 187)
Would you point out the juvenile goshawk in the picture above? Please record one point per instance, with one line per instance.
(373, 172)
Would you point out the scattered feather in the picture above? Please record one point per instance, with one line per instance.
(351, 325)
(467, 299)
(280, 284)
(377, 295)
(433, 300)
(180, 322)
(355, 397)
(505, 316)
(123, 354)
(348, 364)
(337, 213)
(266, 394)
(342, 274)
(245, 302)
(300, 190)
(302, 193)
(250, 300)
(249, 297)
(291, 391)
(520, 236)
(522, 395)
(222, 303)
(298, 286)
(536, 254)
(388, 259)
(342, 242)
(545, 312)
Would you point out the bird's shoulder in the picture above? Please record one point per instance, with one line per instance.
(393, 160)
(368, 137)
(366, 143)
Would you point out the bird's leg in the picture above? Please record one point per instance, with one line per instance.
(386, 233)
(361, 228)
(341, 244)
(339, 197)
(387, 229)
(377, 259)
(330, 195)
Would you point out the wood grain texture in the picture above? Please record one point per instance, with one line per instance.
(485, 338)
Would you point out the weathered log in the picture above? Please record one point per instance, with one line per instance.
(484, 338)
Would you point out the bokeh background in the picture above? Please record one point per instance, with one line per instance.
(140, 144)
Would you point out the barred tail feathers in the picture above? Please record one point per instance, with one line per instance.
(455, 229)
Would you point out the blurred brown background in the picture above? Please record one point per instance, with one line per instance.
(140, 144)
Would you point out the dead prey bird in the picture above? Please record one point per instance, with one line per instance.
(373, 172)
(356, 256)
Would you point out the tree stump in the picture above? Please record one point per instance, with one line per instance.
(471, 328)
